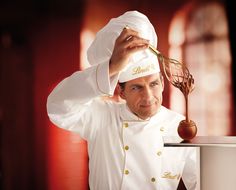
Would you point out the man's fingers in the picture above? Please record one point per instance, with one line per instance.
(137, 48)
(135, 41)
(126, 34)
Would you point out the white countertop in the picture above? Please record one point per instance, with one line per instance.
(199, 141)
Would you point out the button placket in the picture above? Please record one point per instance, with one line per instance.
(125, 144)
(153, 144)
(126, 147)
(125, 126)
(162, 129)
(126, 172)
(153, 179)
(159, 153)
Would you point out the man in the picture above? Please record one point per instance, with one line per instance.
(125, 143)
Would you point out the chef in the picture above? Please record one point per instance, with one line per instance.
(125, 140)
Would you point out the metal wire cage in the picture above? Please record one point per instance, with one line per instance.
(176, 73)
(179, 76)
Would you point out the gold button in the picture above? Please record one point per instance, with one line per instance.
(153, 179)
(126, 172)
(126, 147)
(162, 129)
(159, 153)
(125, 125)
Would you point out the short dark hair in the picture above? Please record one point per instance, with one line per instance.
(122, 85)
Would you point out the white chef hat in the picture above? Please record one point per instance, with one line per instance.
(142, 63)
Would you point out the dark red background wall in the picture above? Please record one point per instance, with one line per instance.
(55, 47)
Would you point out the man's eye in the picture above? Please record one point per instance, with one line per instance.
(134, 88)
(154, 84)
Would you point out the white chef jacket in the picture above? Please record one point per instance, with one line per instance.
(125, 152)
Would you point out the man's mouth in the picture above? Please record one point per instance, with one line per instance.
(146, 105)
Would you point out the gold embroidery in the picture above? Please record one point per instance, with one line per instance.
(125, 125)
(168, 175)
(139, 69)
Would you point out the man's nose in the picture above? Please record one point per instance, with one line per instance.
(147, 93)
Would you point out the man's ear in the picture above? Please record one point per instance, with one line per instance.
(121, 92)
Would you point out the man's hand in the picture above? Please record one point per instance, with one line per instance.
(126, 44)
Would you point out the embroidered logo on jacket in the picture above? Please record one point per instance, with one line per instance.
(168, 175)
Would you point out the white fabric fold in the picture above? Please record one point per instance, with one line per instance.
(102, 47)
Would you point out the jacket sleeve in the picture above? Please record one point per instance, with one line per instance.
(74, 99)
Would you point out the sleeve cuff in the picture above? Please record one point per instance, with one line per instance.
(105, 84)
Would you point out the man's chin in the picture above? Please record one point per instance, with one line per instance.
(145, 116)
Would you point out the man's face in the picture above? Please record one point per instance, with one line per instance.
(144, 95)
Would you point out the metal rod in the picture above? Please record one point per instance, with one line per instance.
(153, 49)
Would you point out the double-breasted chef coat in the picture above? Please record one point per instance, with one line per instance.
(125, 152)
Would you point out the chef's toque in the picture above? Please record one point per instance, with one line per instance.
(141, 63)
